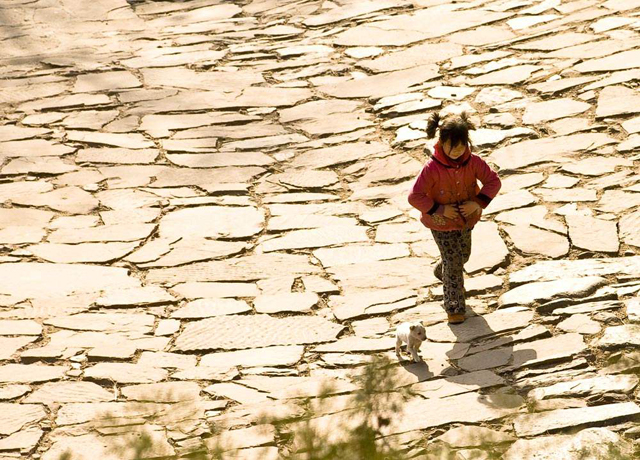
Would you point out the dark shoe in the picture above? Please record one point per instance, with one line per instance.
(437, 272)
(455, 318)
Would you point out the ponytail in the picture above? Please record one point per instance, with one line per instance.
(432, 124)
(464, 116)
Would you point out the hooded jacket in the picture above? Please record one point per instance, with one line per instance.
(446, 181)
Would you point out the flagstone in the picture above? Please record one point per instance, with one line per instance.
(407, 272)
(489, 250)
(212, 222)
(534, 424)
(540, 112)
(24, 440)
(72, 200)
(531, 240)
(255, 357)
(593, 234)
(205, 308)
(165, 392)
(10, 345)
(249, 268)
(548, 149)
(510, 200)
(541, 291)
(629, 226)
(597, 166)
(567, 195)
(383, 84)
(293, 330)
(428, 53)
(360, 253)
(314, 238)
(30, 373)
(623, 384)
(116, 156)
(579, 323)
(471, 436)
(619, 336)
(50, 280)
(95, 82)
(34, 148)
(301, 302)
(81, 253)
(464, 408)
(14, 417)
(595, 442)
(198, 290)
(617, 201)
(405, 29)
(617, 100)
(8, 392)
(125, 373)
(69, 392)
(236, 392)
(191, 250)
(618, 61)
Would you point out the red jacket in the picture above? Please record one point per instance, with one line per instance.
(445, 181)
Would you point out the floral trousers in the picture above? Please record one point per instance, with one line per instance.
(455, 249)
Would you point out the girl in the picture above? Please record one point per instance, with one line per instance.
(447, 194)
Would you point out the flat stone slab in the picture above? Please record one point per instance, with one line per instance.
(31, 373)
(165, 392)
(471, 436)
(13, 417)
(621, 384)
(464, 408)
(582, 324)
(29, 280)
(560, 269)
(221, 332)
(547, 149)
(535, 241)
(594, 442)
(488, 249)
(542, 291)
(125, 373)
(593, 234)
(619, 336)
(301, 302)
(205, 308)
(540, 112)
(69, 392)
(256, 357)
(556, 420)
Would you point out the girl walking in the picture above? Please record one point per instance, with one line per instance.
(447, 194)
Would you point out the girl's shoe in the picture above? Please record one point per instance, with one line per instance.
(455, 318)
(437, 272)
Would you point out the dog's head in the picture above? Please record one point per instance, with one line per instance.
(418, 331)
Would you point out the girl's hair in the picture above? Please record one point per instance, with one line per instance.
(454, 128)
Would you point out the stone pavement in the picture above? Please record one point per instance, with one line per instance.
(205, 217)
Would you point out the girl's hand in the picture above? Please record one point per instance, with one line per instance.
(469, 207)
(451, 211)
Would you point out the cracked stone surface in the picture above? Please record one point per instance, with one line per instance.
(204, 214)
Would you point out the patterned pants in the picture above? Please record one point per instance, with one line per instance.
(455, 249)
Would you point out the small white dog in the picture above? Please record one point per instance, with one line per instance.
(413, 334)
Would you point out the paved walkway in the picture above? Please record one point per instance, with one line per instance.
(206, 202)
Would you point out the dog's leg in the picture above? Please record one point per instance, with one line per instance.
(398, 344)
(414, 354)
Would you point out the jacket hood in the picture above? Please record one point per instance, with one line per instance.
(443, 159)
